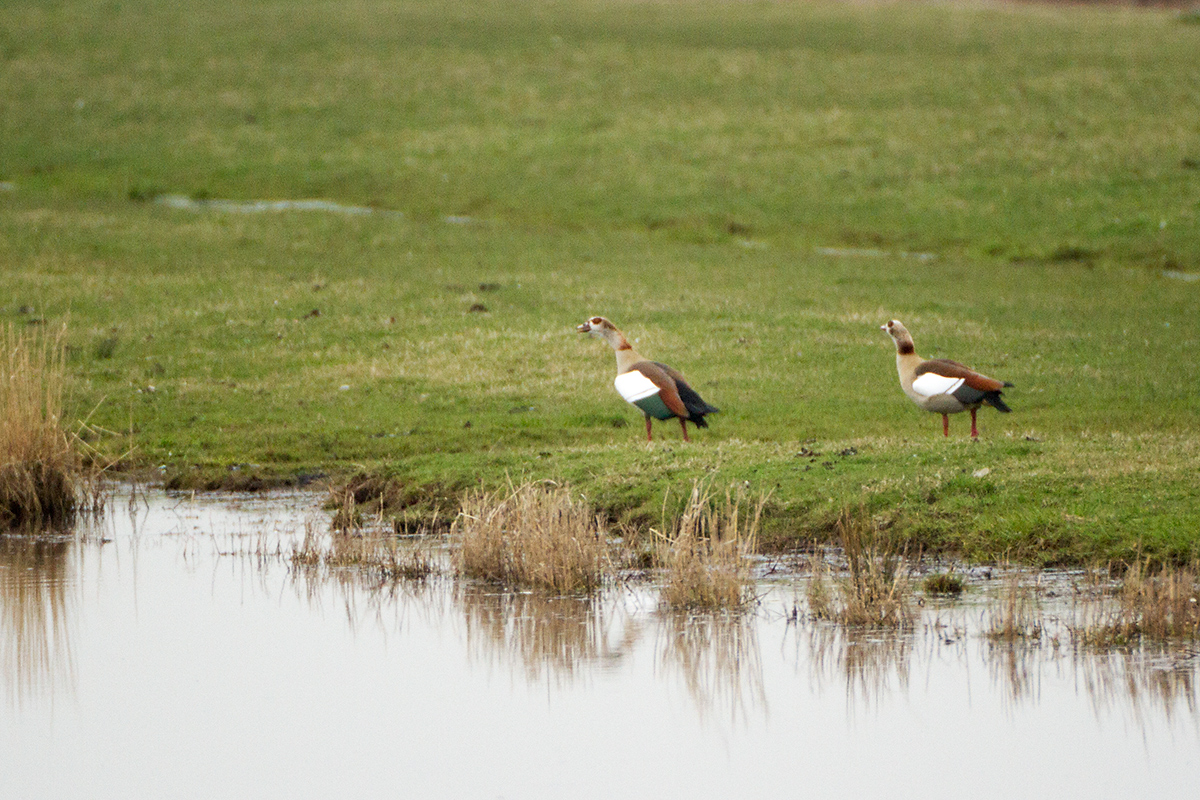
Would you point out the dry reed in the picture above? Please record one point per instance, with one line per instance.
(706, 554)
(532, 536)
(1149, 605)
(1017, 616)
(40, 470)
(877, 587)
(381, 554)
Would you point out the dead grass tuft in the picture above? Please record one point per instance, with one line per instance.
(877, 587)
(535, 536)
(706, 553)
(1150, 604)
(1017, 616)
(381, 553)
(40, 470)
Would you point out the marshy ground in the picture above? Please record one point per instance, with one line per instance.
(397, 217)
(344, 247)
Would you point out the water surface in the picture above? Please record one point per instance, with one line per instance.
(172, 651)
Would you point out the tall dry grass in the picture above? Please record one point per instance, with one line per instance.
(40, 470)
(1150, 604)
(877, 586)
(535, 536)
(1017, 614)
(371, 552)
(706, 550)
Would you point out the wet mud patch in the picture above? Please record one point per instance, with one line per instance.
(410, 505)
(235, 479)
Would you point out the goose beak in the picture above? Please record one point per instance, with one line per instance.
(584, 328)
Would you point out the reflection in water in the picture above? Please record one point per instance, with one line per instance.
(35, 617)
(547, 636)
(1017, 666)
(1146, 681)
(870, 663)
(360, 572)
(719, 658)
(1141, 682)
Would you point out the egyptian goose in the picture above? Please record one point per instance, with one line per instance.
(659, 391)
(941, 386)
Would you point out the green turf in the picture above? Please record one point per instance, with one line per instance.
(748, 189)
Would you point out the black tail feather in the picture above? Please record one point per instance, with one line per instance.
(993, 400)
(694, 404)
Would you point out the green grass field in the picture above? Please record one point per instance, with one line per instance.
(749, 189)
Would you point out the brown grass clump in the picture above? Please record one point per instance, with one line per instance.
(381, 554)
(877, 588)
(1149, 605)
(1017, 616)
(706, 553)
(534, 536)
(40, 471)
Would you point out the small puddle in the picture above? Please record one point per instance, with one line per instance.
(185, 203)
(176, 644)
(871, 252)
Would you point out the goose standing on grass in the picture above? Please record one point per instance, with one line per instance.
(659, 391)
(941, 386)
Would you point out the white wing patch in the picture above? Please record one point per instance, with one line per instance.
(634, 386)
(931, 384)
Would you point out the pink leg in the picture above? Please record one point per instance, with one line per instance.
(649, 438)
(683, 424)
(974, 430)
(945, 425)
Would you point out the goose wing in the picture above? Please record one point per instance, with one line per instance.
(668, 392)
(692, 401)
(943, 376)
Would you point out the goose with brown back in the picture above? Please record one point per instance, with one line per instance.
(658, 391)
(942, 386)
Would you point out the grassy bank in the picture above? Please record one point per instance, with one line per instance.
(748, 190)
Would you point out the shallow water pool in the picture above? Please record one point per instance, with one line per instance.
(172, 650)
